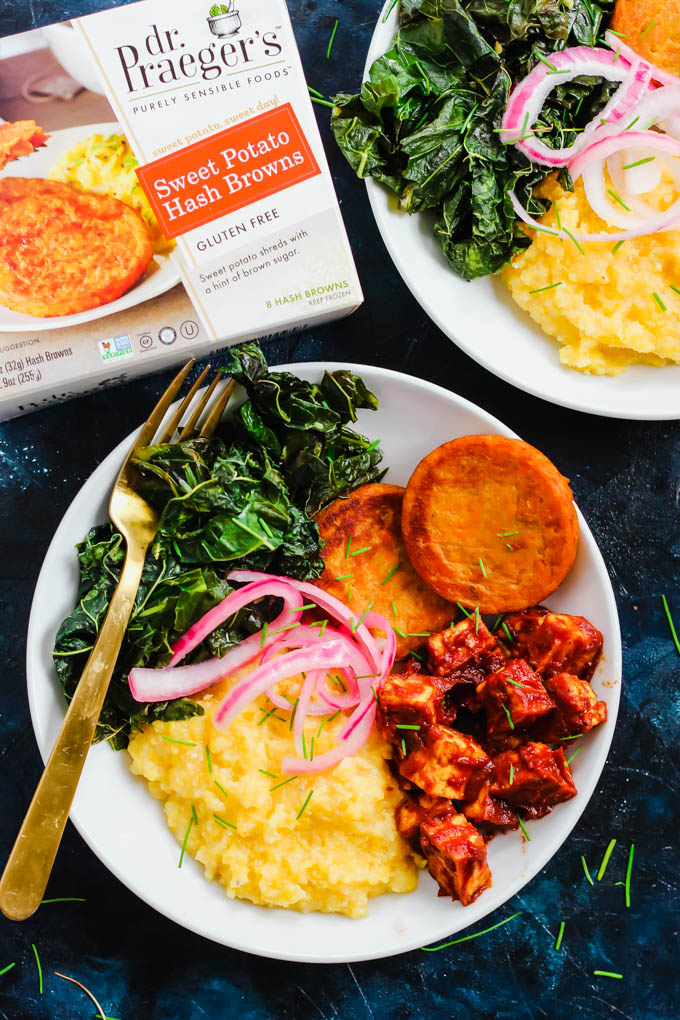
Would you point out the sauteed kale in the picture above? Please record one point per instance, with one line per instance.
(426, 123)
(242, 498)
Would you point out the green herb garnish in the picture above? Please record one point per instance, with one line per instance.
(585, 870)
(220, 787)
(37, 963)
(174, 740)
(605, 859)
(184, 842)
(208, 759)
(523, 828)
(330, 41)
(64, 899)
(551, 286)
(607, 973)
(629, 870)
(510, 721)
(407, 726)
(265, 772)
(8, 967)
(307, 800)
(658, 301)
(392, 572)
(617, 198)
(617, 246)
(558, 940)
(222, 822)
(466, 938)
(284, 783)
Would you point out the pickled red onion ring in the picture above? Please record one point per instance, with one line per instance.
(527, 98)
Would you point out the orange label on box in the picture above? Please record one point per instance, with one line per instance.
(228, 170)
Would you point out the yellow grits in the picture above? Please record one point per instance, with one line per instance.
(604, 313)
(343, 849)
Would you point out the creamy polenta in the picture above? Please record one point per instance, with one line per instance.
(611, 308)
(325, 842)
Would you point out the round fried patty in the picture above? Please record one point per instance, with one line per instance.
(369, 519)
(64, 251)
(489, 521)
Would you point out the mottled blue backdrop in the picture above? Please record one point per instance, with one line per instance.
(626, 478)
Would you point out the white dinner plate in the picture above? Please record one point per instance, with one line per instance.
(482, 319)
(161, 275)
(125, 827)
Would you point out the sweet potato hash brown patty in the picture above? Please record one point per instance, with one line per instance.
(64, 251)
(489, 521)
(363, 546)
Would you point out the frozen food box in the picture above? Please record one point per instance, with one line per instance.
(163, 190)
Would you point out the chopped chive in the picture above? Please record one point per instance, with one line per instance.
(523, 828)
(392, 572)
(548, 63)
(505, 709)
(607, 973)
(617, 198)
(194, 815)
(174, 740)
(585, 870)
(649, 28)
(558, 941)
(575, 737)
(37, 963)
(506, 534)
(639, 162)
(375, 694)
(330, 41)
(184, 842)
(263, 636)
(284, 783)
(628, 872)
(676, 289)
(343, 577)
(464, 938)
(496, 622)
(539, 290)
(507, 631)
(349, 542)
(559, 227)
(403, 747)
(283, 630)
(674, 634)
(304, 745)
(515, 683)
(394, 610)
(658, 301)
(399, 631)
(314, 92)
(369, 449)
(621, 35)
(8, 967)
(365, 613)
(323, 723)
(292, 714)
(617, 246)
(464, 610)
(358, 552)
(605, 859)
(65, 899)
(220, 787)
(265, 772)
(419, 633)
(569, 234)
(512, 774)
(569, 760)
(208, 759)
(336, 714)
(417, 656)
(481, 566)
(389, 10)
(407, 726)
(508, 546)
(311, 750)
(265, 527)
(322, 102)
(307, 800)
(223, 821)
(476, 619)
(632, 123)
(271, 714)
(338, 680)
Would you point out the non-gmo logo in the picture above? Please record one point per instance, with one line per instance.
(223, 19)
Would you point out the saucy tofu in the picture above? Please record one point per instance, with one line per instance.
(456, 857)
(513, 698)
(444, 762)
(554, 642)
(534, 778)
(576, 711)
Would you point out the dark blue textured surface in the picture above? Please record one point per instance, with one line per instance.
(626, 478)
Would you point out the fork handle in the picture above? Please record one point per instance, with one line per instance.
(28, 869)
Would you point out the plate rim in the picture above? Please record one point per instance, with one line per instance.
(386, 26)
(587, 786)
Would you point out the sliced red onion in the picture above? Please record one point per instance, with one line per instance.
(345, 748)
(329, 655)
(625, 52)
(167, 682)
(302, 637)
(527, 98)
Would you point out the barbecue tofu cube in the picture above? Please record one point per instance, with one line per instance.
(554, 642)
(411, 700)
(482, 808)
(413, 811)
(457, 646)
(444, 762)
(533, 778)
(456, 857)
(514, 698)
(577, 709)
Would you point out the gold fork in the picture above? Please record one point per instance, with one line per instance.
(26, 873)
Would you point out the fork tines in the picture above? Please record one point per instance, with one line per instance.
(203, 416)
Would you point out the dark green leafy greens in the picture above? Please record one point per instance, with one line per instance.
(426, 123)
(242, 498)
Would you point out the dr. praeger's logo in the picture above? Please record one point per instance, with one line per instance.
(223, 19)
